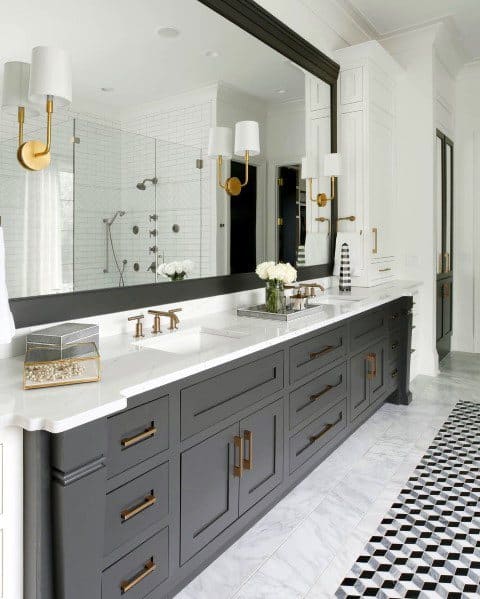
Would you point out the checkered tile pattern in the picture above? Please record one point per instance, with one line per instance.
(428, 545)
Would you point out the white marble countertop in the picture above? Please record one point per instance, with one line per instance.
(128, 369)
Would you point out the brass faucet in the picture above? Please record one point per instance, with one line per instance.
(138, 325)
(174, 320)
(310, 288)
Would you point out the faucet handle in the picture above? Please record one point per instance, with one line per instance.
(173, 310)
(138, 326)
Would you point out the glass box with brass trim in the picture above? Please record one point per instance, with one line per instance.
(78, 363)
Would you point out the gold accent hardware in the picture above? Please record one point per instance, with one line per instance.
(171, 314)
(238, 450)
(352, 219)
(315, 355)
(129, 441)
(375, 247)
(248, 438)
(280, 221)
(440, 262)
(384, 269)
(35, 155)
(395, 373)
(322, 199)
(138, 325)
(319, 395)
(280, 182)
(372, 358)
(147, 569)
(233, 186)
(322, 219)
(149, 501)
(325, 430)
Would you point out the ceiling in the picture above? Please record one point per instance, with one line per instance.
(389, 16)
(114, 44)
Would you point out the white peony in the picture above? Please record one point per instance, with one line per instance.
(161, 269)
(188, 266)
(263, 269)
(170, 269)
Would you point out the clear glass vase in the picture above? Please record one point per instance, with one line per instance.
(275, 297)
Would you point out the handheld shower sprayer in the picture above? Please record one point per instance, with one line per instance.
(142, 186)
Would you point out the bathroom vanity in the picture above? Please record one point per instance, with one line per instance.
(139, 501)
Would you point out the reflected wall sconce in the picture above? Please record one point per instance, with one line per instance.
(331, 168)
(220, 146)
(322, 219)
(46, 80)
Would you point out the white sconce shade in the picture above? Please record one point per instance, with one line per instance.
(309, 170)
(15, 88)
(247, 138)
(332, 165)
(50, 75)
(220, 142)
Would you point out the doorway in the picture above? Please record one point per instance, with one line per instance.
(243, 221)
(291, 211)
(444, 152)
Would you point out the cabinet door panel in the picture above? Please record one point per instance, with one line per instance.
(209, 491)
(378, 382)
(359, 385)
(264, 452)
(447, 307)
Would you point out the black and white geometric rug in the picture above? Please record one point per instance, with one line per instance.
(428, 544)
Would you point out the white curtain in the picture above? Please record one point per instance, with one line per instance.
(42, 260)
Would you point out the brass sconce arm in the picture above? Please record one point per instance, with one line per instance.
(35, 155)
(322, 198)
(21, 122)
(49, 109)
(322, 219)
(233, 186)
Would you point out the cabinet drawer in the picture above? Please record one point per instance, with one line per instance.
(140, 572)
(307, 357)
(136, 506)
(319, 395)
(366, 329)
(211, 401)
(136, 435)
(317, 434)
(397, 315)
(382, 271)
(396, 345)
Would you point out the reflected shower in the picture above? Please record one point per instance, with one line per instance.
(109, 242)
(109, 221)
(142, 187)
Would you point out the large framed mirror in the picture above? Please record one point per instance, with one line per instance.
(133, 190)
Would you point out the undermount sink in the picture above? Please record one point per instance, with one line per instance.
(191, 341)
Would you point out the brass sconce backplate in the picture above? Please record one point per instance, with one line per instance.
(322, 200)
(31, 155)
(233, 186)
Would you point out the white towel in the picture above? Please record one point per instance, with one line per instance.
(7, 326)
(317, 247)
(353, 240)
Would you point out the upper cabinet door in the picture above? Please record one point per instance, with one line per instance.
(209, 491)
(262, 434)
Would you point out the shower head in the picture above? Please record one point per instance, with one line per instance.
(142, 187)
(109, 221)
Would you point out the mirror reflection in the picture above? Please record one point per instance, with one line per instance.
(189, 149)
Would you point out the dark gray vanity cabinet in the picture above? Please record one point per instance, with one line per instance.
(137, 504)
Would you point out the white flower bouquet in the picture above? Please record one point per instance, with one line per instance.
(176, 271)
(276, 276)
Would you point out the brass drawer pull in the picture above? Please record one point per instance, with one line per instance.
(372, 358)
(317, 354)
(326, 390)
(394, 373)
(395, 345)
(128, 585)
(248, 438)
(149, 501)
(325, 430)
(129, 441)
(238, 450)
(375, 234)
(384, 269)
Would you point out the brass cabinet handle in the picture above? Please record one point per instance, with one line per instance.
(326, 390)
(149, 501)
(394, 373)
(446, 290)
(375, 247)
(372, 358)
(248, 438)
(238, 449)
(314, 355)
(149, 567)
(325, 429)
(129, 441)
(384, 269)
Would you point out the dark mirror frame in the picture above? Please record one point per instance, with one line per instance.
(255, 20)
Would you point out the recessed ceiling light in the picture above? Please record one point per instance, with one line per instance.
(211, 54)
(281, 91)
(107, 89)
(168, 32)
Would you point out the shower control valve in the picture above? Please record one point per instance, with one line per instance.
(153, 217)
(153, 233)
(153, 249)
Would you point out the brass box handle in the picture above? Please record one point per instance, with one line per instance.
(149, 501)
(375, 236)
(315, 355)
(129, 441)
(248, 462)
(326, 390)
(128, 585)
(238, 449)
(372, 359)
(384, 269)
(325, 429)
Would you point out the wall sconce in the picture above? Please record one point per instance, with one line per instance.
(247, 144)
(50, 80)
(331, 168)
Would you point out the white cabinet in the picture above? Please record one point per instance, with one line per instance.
(367, 142)
(11, 513)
